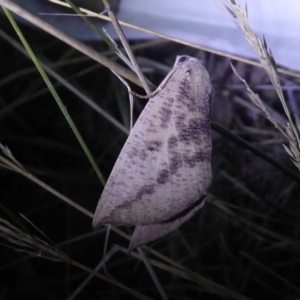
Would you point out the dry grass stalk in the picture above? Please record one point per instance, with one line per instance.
(265, 56)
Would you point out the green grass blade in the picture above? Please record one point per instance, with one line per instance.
(55, 95)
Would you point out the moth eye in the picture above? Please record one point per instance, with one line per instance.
(188, 72)
(182, 59)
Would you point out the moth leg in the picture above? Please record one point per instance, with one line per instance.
(152, 94)
(160, 87)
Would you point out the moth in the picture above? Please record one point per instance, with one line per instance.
(163, 172)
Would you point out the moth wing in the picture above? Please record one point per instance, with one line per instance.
(165, 164)
(131, 192)
(144, 234)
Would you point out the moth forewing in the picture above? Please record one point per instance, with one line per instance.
(165, 164)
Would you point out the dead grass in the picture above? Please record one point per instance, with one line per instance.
(243, 245)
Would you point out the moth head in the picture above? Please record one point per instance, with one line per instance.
(194, 71)
(181, 59)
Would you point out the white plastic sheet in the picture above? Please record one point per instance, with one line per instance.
(202, 22)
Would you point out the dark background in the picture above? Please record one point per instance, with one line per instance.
(246, 239)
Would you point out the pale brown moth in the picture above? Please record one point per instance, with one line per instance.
(163, 172)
